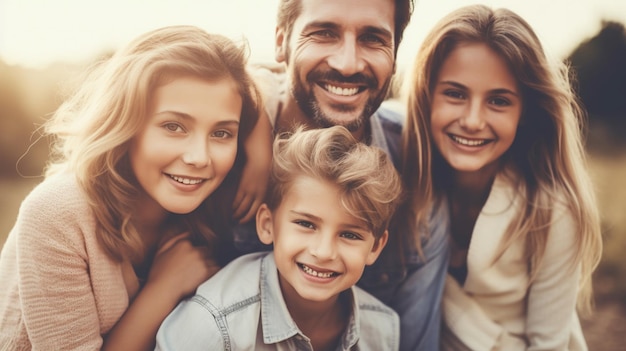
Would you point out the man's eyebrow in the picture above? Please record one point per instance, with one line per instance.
(335, 26)
(379, 31)
(321, 24)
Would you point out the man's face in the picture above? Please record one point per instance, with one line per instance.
(340, 59)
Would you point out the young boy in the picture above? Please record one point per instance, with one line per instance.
(328, 208)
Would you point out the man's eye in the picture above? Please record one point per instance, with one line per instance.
(323, 34)
(370, 38)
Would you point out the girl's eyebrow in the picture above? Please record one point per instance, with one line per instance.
(186, 116)
(500, 91)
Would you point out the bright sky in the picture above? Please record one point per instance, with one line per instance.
(35, 33)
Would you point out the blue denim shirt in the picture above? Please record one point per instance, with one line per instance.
(242, 308)
(414, 290)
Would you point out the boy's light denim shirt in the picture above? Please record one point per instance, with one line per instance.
(226, 311)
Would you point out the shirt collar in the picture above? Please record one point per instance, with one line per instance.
(276, 321)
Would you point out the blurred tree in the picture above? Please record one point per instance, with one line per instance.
(600, 64)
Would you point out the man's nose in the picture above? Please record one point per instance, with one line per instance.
(347, 58)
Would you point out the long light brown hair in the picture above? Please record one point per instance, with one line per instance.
(94, 126)
(548, 151)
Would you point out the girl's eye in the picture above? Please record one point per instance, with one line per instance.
(499, 101)
(222, 134)
(305, 224)
(350, 236)
(174, 127)
(454, 94)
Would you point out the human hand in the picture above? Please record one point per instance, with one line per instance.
(251, 190)
(179, 267)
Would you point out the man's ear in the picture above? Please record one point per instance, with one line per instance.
(281, 45)
(264, 225)
(378, 247)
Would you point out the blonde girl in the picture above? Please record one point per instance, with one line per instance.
(494, 134)
(130, 216)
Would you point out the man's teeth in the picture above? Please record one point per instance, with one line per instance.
(341, 91)
(186, 181)
(468, 142)
(308, 270)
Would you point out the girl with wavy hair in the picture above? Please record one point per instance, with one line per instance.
(494, 134)
(130, 217)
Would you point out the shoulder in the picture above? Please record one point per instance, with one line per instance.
(379, 324)
(219, 314)
(370, 305)
(236, 284)
(392, 115)
(56, 208)
(57, 196)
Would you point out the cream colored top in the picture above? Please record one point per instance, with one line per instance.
(495, 309)
(59, 290)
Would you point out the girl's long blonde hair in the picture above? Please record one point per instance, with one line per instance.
(548, 150)
(94, 126)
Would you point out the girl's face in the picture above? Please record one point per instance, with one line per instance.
(476, 108)
(187, 145)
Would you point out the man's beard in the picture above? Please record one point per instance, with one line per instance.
(312, 109)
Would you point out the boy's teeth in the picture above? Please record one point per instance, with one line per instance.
(468, 142)
(308, 270)
(341, 91)
(186, 181)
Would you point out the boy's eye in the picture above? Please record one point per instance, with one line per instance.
(351, 236)
(305, 224)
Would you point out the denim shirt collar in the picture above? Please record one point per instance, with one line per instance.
(276, 320)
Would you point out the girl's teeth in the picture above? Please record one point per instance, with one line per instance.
(341, 91)
(468, 142)
(186, 181)
(308, 270)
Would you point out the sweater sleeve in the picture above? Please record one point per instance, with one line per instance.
(552, 296)
(56, 296)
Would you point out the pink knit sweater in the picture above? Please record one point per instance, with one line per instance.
(58, 289)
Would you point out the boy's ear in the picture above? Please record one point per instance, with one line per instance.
(264, 225)
(378, 247)
(281, 45)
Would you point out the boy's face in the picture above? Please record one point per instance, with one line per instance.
(320, 249)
